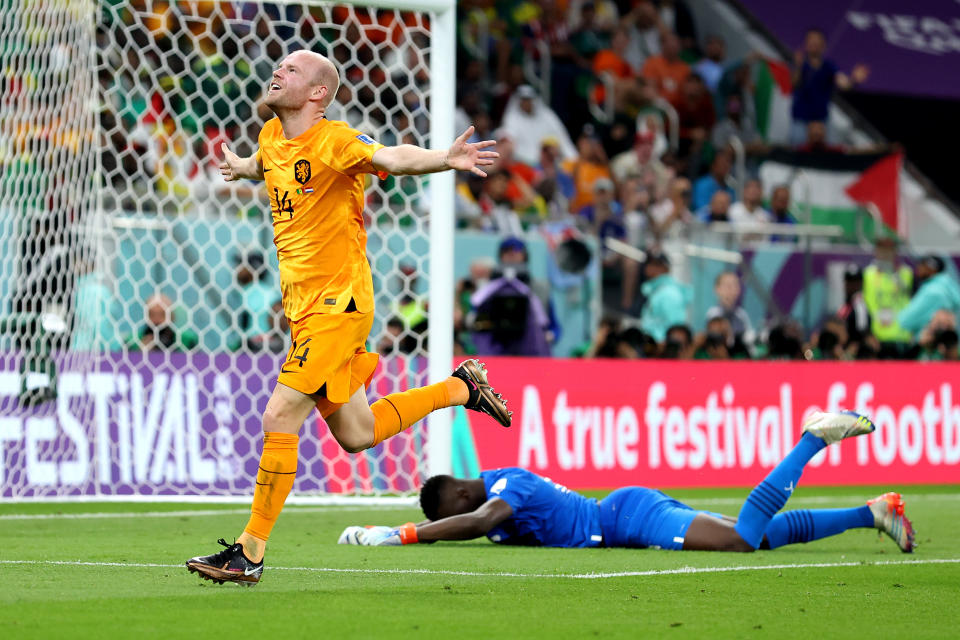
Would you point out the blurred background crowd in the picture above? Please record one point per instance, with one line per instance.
(634, 146)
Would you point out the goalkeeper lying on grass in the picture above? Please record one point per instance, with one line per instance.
(515, 506)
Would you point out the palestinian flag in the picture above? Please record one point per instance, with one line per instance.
(773, 97)
(836, 188)
(879, 186)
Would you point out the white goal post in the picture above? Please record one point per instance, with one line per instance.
(139, 333)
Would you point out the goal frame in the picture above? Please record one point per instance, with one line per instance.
(437, 454)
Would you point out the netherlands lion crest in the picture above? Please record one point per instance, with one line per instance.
(301, 171)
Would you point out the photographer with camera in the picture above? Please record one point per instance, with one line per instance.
(511, 311)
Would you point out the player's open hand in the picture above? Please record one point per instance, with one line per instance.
(371, 536)
(470, 156)
(231, 165)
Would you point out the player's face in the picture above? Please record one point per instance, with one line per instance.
(292, 83)
(454, 502)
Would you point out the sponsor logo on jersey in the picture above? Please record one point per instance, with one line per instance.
(301, 171)
(499, 486)
(365, 139)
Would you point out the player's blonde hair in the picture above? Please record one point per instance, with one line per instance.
(327, 75)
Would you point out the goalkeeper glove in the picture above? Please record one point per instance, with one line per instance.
(379, 536)
(351, 535)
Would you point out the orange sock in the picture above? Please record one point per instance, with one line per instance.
(278, 468)
(397, 411)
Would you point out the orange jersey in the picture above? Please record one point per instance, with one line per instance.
(315, 183)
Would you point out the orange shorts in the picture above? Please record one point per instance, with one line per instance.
(328, 356)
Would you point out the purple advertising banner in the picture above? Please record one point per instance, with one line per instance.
(910, 47)
(177, 424)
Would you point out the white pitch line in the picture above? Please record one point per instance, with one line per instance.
(800, 500)
(181, 514)
(507, 574)
(908, 497)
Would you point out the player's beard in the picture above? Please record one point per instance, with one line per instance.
(281, 103)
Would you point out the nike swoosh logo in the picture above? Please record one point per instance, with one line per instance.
(265, 170)
(250, 572)
(285, 371)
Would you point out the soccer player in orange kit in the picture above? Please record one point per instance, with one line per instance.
(314, 172)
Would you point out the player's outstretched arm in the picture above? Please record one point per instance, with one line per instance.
(234, 167)
(465, 526)
(408, 159)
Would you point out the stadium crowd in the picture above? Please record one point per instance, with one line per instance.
(592, 164)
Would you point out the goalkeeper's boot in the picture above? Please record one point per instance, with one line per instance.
(888, 517)
(229, 565)
(834, 427)
(482, 396)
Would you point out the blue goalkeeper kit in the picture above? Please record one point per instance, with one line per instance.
(544, 513)
(548, 514)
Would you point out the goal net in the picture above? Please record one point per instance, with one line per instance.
(140, 325)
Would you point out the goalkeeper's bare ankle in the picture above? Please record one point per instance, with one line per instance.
(253, 547)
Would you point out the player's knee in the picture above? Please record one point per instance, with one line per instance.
(738, 545)
(276, 419)
(356, 441)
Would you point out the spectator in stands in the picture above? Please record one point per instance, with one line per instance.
(726, 288)
(710, 68)
(697, 117)
(647, 29)
(814, 79)
(829, 342)
(937, 291)
(641, 162)
(550, 168)
(603, 14)
(667, 72)
(718, 209)
(628, 91)
(785, 341)
(780, 212)
(856, 316)
(736, 123)
(750, 211)
(527, 121)
(666, 298)
(587, 36)
(508, 161)
(671, 216)
(604, 215)
(160, 333)
(718, 179)
(466, 201)
(498, 213)
(719, 342)
(938, 341)
(604, 339)
(679, 343)
(816, 141)
(636, 201)
(887, 284)
(677, 17)
(945, 344)
(277, 339)
(590, 166)
(254, 317)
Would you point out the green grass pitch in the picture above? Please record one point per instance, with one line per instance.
(123, 577)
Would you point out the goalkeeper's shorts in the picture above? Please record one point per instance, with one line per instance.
(641, 517)
(328, 357)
